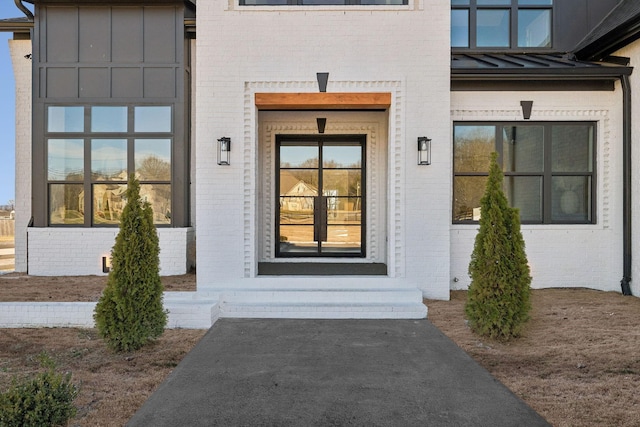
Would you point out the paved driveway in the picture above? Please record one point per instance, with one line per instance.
(255, 372)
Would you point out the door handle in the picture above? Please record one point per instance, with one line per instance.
(316, 218)
(320, 218)
(324, 218)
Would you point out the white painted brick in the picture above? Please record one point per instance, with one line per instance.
(243, 50)
(559, 255)
(79, 251)
(252, 44)
(22, 76)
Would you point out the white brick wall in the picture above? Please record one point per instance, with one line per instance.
(22, 75)
(183, 313)
(243, 50)
(363, 49)
(79, 251)
(559, 255)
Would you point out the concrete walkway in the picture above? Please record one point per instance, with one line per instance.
(273, 372)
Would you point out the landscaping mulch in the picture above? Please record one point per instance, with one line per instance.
(577, 363)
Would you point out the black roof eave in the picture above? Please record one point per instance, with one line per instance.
(604, 73)
(16, 25)
(602, 48)
(618, 29)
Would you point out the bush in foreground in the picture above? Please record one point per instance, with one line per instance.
(498, 301)
(129, 313)
(43, 400)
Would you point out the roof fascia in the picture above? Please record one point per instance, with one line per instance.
(611, 42)
(600, 78)
(603, 73)
(102, 2)
(502, 85)
(22, 26)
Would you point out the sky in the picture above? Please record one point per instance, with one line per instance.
(8, 9)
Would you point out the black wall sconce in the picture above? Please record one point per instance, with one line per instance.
(424, 150)
(106, 264)
(224, 151)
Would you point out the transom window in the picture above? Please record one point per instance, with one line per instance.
(549, 172)
(480, 24)
(322, 2)
(91, 151)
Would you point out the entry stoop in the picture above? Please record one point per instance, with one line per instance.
(311, 298)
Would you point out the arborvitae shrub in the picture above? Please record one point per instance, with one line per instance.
(129, 313)
(45, 399)
(498, 301)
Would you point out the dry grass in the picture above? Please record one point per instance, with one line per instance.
(22, 287)
(577, 364)
(112, 386)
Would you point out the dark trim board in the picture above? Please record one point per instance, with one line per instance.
(532, 85)
(321, 269)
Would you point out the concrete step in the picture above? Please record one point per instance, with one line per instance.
(303, 282)
(311, 297)
(343, 303)
(325, 311)
(319, 296)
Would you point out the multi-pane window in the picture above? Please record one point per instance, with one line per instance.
(549, 169)
(491, 24)
(91, 151)
(322, 2)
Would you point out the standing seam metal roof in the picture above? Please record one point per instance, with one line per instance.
(530, 64)
(621, 26)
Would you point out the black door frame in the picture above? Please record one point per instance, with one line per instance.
(361, 140)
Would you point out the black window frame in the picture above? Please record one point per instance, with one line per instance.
(87, 136)
(547, 174)
(320, 141)
(513, 8)
(277, 3)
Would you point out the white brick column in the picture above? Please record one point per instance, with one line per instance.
(22, 73)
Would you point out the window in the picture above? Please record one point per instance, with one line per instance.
(322, 2)
(480, 24)
(549, 172)
(91, 150)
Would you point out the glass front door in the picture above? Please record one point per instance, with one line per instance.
(320, 181)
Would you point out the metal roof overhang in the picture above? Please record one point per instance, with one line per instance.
(16, 25)
(532, 72)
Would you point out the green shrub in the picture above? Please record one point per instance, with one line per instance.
(43, 400)
(498, 301)
(129, 313)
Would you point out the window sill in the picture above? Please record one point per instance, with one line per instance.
(533, 227)
(324, 8)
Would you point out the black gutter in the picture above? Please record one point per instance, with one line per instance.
(24, 9)
(626, 185)
(612, 73)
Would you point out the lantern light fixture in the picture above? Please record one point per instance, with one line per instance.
(424, 150)
(106, 264)
(224, 151)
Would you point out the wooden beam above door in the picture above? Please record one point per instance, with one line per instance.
(324, 101)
